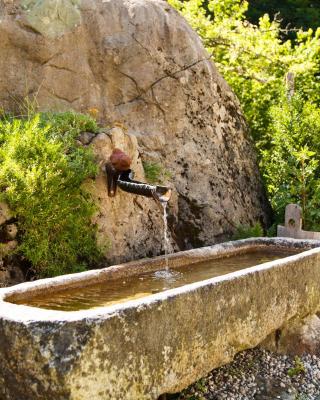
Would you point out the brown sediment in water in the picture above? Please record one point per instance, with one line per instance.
(140, 285)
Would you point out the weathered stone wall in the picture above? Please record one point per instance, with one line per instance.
(139, 63)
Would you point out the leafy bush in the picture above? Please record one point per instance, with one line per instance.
(41, 175)
(246, 231)
(298, 368)
(296, 13)
(290, 165)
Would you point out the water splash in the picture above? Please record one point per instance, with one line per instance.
(166, 242)
(168, 276)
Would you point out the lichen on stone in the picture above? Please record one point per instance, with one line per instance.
(52, 18)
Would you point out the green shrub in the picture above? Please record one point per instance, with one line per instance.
(290, 165)
(154, 172)
(298, 368)
(246, 231)
(41, 174)
(195, 391)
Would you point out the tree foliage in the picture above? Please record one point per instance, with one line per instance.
(291, 166)
(302, 14)
(254, 59)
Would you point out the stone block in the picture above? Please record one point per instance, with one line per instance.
(297, 337)
(5, 213)
(293, 225)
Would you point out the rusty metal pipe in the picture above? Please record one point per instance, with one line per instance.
(126, 183)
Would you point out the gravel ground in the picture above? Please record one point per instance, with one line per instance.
(260, 375)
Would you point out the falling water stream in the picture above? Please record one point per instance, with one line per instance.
(165, 235)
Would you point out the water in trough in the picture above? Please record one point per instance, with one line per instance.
(133, 287)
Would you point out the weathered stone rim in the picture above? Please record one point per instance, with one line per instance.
(160, 343)
(26, 290)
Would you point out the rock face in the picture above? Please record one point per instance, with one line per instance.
(138, 63)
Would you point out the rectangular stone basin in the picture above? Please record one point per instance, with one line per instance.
(75, 337)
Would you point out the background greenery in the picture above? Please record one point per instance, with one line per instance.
(255, 60)
(303, 14)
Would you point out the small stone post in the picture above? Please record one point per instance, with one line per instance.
(290, 84)
(293, 225)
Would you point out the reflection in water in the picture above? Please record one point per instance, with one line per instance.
(134, 287)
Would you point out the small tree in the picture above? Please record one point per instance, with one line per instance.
(290, 165)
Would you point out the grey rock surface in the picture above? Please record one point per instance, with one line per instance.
(5, 213)
(10, 272)
(297, 337)
(11, 231)
(138, 63)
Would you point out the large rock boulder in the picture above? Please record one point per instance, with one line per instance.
(296, 337)
(138, 63)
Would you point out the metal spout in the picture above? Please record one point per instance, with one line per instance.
(124, 180)
(162, 194)
(112, 179)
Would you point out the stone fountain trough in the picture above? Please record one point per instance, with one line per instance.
(160, 343)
